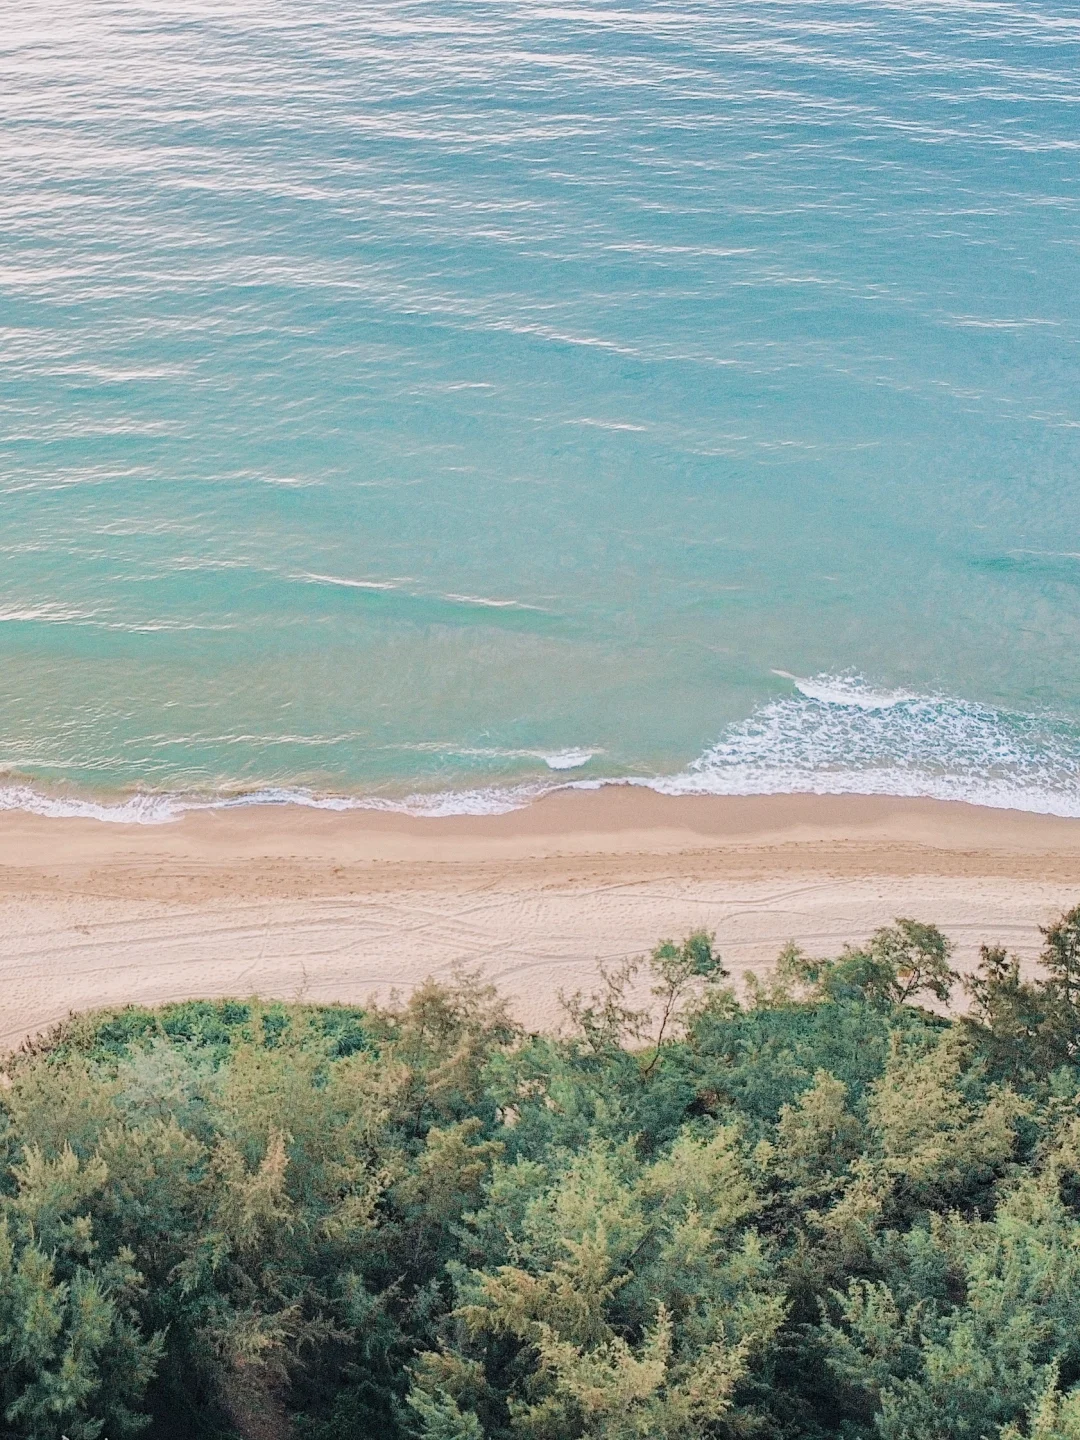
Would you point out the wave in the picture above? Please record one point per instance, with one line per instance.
(839, 735)
(309, 577)
(566, 759)
(846, 690)
(833, 735)
(139, 809)
(569, 759)
(48, 613)
(164, 808)
(489, 602)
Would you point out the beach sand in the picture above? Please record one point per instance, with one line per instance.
(298, 903)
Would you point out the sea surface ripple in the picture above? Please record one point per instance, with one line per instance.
(425, 404)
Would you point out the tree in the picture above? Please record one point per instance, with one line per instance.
(897, 963)
(817, 1140)
(71, 1355)
(828, 1215)
(684, 974)
(1010, 1017)
(1061, 960)
(1030, 1027)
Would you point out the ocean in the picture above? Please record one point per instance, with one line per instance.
(425, 405)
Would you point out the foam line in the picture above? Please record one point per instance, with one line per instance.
(832, 735)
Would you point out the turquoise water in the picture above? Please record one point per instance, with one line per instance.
(452, 399)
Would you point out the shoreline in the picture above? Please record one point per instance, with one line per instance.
(288, 901)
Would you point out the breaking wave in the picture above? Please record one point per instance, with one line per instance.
(839, 735)
(832, 735)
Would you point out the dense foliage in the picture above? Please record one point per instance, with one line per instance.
(823, 1211)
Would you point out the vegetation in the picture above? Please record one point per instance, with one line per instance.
(824, 1211)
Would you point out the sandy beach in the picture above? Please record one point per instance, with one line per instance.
(293, 903)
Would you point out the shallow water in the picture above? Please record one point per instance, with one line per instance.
(432, 398)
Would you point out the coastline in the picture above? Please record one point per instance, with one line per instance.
(287, 901)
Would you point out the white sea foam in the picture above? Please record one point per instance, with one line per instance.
(163, 808)
(484, 800)
(310, 578)
(487, 601)
(833, 735)
(344, 582)
(849, 690)
(51, 614)
(567, 759)
(134, 810)
(840, 735)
